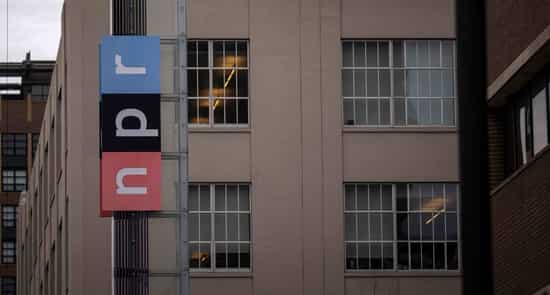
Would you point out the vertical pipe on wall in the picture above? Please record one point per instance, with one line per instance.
(472, 106)
(183, 148)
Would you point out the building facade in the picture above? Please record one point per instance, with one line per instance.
(518, 43)
(323, 155)
(23, 92)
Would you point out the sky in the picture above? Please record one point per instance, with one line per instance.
(34, 25)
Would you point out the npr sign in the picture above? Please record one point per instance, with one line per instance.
(130, 124)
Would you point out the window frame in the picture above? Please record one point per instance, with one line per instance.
(392, 96)
(524, 99)
(211, 98)
(395, 212)
(12, 284)
(4, 214)
(7, 259)
(212, 212)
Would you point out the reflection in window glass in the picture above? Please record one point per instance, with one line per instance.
(218, 82)
(540, 121)
(419, 233)
(416, 81)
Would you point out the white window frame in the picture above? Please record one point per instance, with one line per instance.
(395, 240)
(213, 242)
(391, 67)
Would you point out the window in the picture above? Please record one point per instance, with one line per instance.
(8, 286)
(398, 83)
(14, 162)
(8, 251)
(219, 227)
(218, 83)
(9, 216)
(40, 92)
(35, 138)
(401, 227)
(530, 120)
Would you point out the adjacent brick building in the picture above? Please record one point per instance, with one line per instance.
(518, 39)
(23, 91)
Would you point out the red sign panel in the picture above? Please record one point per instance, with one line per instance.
(130, 181)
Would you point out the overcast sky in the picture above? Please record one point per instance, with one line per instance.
(34, 25)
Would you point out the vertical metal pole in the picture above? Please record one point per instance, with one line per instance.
(472, 106)
(183, 167)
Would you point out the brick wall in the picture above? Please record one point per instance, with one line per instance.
(521, 229)
(511, 26)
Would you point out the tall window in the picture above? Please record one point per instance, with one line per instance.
(14, 162)
(8, 251)
(8, 285)
(530, 116)
(398, 83)
(218, 82)
(401, 227)
(219, 227)
(9, 216)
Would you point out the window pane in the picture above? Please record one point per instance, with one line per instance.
(398, 54)
(360, 88)
(372, 112)
(436, 83)
(233, 255)
(361, 111)
(351, 256)
(193, 227)
(221, 255)
(402, 227)
(410, 52)
(523, 133)
(402, 256)
(451, 197)
(422, 53)
(242, 109)
(218, 54)
(414, 197)
(376, 256)
(387, 196)
(452, 256)
(399, 111)
(192, 82)
(427, 256)
(384, 54)
(452, 231)
(203, 111)
(399, 83)
(350, 197)
(193, 198)
(230, 54)
(363, 226)
(242, 54)
(347, 48)
(204, 83)
(374, 197)
(218, 111)
(423, 83)
(232, 227)
(416, 256)
(244, 259)
(372, 83)
(219, 220)
(447, 53)
(244, 202)
(362, 197)
(217, 83)
(435, 53)
(204, 234)
(242, 78)
(411, 77)
(385, 83)
(401, 197)
(359, 53)
(348, 112)
(540, 132)
(387, 227)
(230, 111)
(448, 83)
(232, 198)
(347, 82)
(350, 227)
(415, 221)
(363, 256)
(202, 53)
(435, 111)
(244, 227)
(375, 220)
(448, 112)
(427, 227)
(192, 111)
(439, 254)
(372, 54)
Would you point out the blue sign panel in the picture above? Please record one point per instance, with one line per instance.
(130, 64)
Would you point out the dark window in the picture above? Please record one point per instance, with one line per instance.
(529, 113)
(8, 286)
(14, 162)
(9, 216)
(40, 92)
(8, 251)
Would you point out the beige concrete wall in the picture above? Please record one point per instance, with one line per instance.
(400, 157)
(398, 19)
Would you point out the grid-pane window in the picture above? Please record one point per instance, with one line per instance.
(398, 83)
(9, 216)
(8, 251)
(8, 285)
(14, 180)
(403, 227)
(217, 75)
(40, 92)
(219, 227)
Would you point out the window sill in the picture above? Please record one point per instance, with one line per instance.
(220, 274)
(219, 130)
(392, 274)
(349, 129)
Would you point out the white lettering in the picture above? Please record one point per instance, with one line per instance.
(141, 131)
(121, 189)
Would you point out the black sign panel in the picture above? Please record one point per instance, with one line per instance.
(130, 123)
